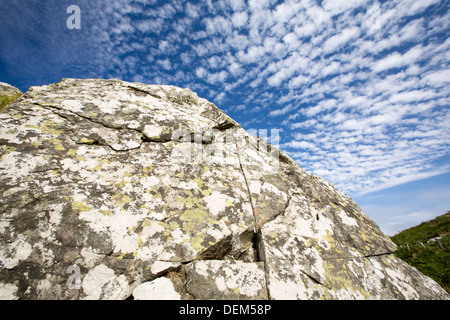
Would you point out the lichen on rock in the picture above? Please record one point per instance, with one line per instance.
(146, 191)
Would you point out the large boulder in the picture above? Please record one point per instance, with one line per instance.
(116, 190)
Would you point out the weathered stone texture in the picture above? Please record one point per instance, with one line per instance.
(112, 190)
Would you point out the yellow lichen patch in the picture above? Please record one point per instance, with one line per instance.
(121, 199)
(87, 141)
(363, 235)
(132, 229)
(157, 196)
(72, 152)
(330, 239)
(80, 206)
(58, 144)
(229, 203)
(189, 203)
(79, 158)
(8, 149)
(100, 164)
(49, 127)
(338, 277)
(335, 206)
(181, 201)
(173, 225)
(308, 242)
(206, 192)
(180, 175)
(148, 169)
(140, 242)
(17, 116)
(169, 228)
(147, 222)
(106, 212)
(195, 219)
(197, 241)
(199, 182)
(188, 193)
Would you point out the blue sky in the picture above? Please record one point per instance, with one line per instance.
(358, 89)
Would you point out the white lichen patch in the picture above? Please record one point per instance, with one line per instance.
(15, 165)
(102, 283)
(160, 266)
(152, 131)
(346, 219)
(8, 291)
(72, 105)
(216, 202)
(159, 289)
(234, 278)
(400, 281)
(13, 253)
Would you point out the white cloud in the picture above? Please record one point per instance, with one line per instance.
(236, 5)
(259, 4)
(217, 77)
(288, 67)
(336, 7)
(252, 54)
(412, 7)
(193, 10)
(201, 72)
(413, 95)
(318, 16)
(285, 11)
(282, 111)
(300, 145)
(338, 40)
(166, 64)
(239, 19)
(218, 25)
(397, 60)
(437, 78)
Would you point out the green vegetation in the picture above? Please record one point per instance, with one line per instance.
(432, 258)
(6, 100)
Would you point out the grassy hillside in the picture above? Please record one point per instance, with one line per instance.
(8, 99)
(432, 258)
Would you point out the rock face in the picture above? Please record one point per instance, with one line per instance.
(115, 190)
